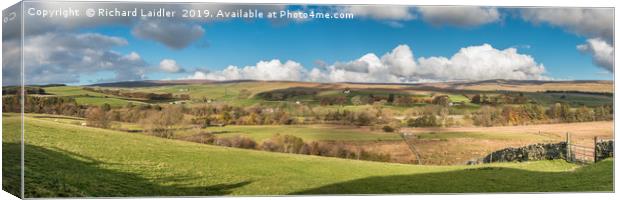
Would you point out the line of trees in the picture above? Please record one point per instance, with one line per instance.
(14, 90)
(351, 118)
(438, 116)
(156, 117)
(222, 114)
(535, 114)
(396, 99)
(609, 94)
(55, 105)
(484, 99)
(203, 116)
(292, 144)
(287, 94)
(138, 95)
(157, 121)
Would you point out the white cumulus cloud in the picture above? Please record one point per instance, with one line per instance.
(602, 52)
(461, 16)
(588, 22)
(169, 65)
(263, 70)
(481, 63)
(470, 63)
(368, 68)
(399, 65)
(400, 60)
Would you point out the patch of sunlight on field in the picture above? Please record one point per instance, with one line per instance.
(458, 98)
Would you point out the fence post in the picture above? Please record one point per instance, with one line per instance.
(595, 141)
(568, 153)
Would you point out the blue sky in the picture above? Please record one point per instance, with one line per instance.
(333, 46)
(244, 43)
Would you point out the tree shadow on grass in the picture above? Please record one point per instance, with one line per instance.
(596, 177)
(55, 173)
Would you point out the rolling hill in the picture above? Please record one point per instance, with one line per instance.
(577, 93)
(64, 160)
(484, 85)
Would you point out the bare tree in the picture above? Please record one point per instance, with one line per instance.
(97, 117)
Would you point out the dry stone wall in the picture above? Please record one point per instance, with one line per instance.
(528, 153)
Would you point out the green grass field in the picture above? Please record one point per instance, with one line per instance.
(71, 91)
(88, 97)
(229, 93)
(458, 98)
(306, 132)
(68, 160)
(222, 92)
(257, 132)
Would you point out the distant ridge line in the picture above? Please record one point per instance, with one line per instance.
(154, 83)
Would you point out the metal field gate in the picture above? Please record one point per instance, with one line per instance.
(580, 153)
(584, 151)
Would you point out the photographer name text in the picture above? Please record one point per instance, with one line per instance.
(185, 13)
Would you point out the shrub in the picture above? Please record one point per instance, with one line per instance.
(223, 142)
(427, 120)
(205, 138)
(106, 107)
(403, 101)
(285, 144)
(305, 149)
(488, 116)
(363, 119)
(365, 155)
(442, 100)
(269, 145)
(315, 148)
(292, 144)
(357, 100)
(242, 142)
(387, 128)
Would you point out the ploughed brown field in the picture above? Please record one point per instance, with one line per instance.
(529, 86)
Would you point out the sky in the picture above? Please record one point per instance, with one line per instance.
(386, 44)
